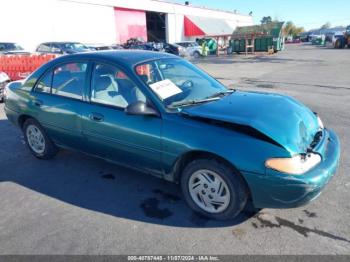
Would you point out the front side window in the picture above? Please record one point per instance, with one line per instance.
(111, 86)
(69, 80)
(177, 81)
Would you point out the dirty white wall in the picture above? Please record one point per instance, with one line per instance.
(30, 22)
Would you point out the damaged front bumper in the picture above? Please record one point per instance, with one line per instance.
(278, 190)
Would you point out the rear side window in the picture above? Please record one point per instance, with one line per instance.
(69, 79)
(44, 84)
(44, 48)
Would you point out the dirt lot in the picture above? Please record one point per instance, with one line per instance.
(75, 204)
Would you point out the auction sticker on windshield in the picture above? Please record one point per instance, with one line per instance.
(165, 89)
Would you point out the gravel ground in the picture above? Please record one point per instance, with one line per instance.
(75, 204)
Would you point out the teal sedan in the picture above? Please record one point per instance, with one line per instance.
(161, 115)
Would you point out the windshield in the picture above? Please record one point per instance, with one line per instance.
(75, 46)
(10, 47)
(176, 81)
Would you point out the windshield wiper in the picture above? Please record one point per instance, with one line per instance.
(222, 93)
(193, 102)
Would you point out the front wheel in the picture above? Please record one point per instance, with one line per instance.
(196, 55)
(213, 189)
(37, 140)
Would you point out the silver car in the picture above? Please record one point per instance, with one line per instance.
(189, 48)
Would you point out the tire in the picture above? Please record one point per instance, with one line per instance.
(338, 44)
(196, 54)
(44, 148)
(231, 183)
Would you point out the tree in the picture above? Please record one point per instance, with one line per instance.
(326, 25)
(290, 29)
(266, 20)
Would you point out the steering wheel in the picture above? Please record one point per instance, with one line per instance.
(186, 84)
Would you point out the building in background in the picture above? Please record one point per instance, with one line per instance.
(111, 21)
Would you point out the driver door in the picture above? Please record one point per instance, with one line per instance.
(132, 140)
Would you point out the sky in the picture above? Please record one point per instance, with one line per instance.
(307, 13)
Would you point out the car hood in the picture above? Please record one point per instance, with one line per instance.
(281, 118)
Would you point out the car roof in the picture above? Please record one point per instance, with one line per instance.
(67, 42)
(124, 57)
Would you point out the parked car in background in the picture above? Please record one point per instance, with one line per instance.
(148, 111)
(117, 46)
(99, 47)
(190, 48)
(102, 47)
(171, 48)
(337, 36)
(137, 44)
(144, 46)
(62, 48)
(10, 48)
(4, 80)
(141, 46)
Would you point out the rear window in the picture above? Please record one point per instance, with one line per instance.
(69, 79)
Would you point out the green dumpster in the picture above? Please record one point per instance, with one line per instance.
(319, 40)
(265, 37)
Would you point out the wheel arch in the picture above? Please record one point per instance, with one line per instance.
(190, 156)
(22, 118)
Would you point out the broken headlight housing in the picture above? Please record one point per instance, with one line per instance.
(320, 123)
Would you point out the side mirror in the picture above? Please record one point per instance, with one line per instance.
(141, 108)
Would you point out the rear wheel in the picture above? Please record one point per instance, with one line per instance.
(37, 140)
(213, 189)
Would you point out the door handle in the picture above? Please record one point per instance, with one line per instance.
(38, 103)
(96, 117)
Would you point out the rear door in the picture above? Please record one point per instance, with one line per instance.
(131, 140)
(58, 99)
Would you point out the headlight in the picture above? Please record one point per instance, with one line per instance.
(297, 165)
(320, 123)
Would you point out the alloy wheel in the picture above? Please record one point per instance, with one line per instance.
(36, 140)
